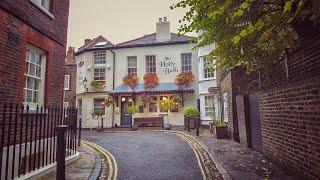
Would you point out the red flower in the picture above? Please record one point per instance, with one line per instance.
(130, 80)
(184, 79)
(151, 80)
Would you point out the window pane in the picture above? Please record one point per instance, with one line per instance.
(32, 70)
(35, 97)
(30, 83)
(28, 96)
(153, 107)
(38, 71)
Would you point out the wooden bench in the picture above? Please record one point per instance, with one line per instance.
(148, 122)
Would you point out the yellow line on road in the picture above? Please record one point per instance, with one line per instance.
(112, 163)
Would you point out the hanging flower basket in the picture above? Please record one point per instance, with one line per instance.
(109, 101)
(151, 80)
(184, 79)
(130, 80)
(97, 84)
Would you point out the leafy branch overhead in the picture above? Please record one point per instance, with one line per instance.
(253, 33)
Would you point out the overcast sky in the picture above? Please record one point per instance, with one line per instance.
(118, 20)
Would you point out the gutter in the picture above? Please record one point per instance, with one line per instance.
(113, 80)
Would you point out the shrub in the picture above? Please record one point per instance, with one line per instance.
(98, 84)
(133, 109)
(190, 112)
(219, 123)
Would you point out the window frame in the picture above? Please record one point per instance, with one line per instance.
(153, 101)
(39, 4)
(98, 58)
(101, 107)
(225, 107)
(39, 62)
(209, 105)
(151, 64)
(186, 67)
(100, 77)
(206, 70)
(66, 88)
(132, 70)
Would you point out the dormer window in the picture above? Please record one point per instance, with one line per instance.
(99, 57)
(101, 44)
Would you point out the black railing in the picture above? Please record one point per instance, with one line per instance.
(28, 137)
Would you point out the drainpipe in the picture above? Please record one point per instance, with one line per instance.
(113, 84)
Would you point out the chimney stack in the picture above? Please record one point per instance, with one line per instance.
(163, 30)
(86, 41)
(70, 54)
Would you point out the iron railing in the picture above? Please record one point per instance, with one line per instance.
(28, 137)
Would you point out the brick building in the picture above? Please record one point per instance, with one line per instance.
(70, 79)
(277, 111)
(33, 37)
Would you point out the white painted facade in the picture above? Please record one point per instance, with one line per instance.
(204, 84)
(169, 53)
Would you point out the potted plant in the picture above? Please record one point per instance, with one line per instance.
(151, 80)
(192, 114)
(220, 129)
(184, 79)
(130, 80)
(97, 84)
(132, 110)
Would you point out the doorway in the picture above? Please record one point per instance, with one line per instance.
(126, 117)
(255, 123)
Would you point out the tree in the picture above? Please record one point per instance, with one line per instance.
(252, 33)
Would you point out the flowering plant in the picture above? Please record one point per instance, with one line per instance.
(184, 79)
(130, 80)
(151, 80)
(108, 101)
(98, 84)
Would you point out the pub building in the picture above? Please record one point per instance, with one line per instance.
(110, 78)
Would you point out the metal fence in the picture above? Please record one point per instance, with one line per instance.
(28, 137)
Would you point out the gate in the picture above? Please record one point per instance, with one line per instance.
(255, 124)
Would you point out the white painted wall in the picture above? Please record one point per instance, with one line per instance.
(205, 84)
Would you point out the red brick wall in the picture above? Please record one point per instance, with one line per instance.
(70, 96)
(290, 112)
(27, 12)
(21, 24)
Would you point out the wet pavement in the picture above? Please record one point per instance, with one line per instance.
(148, 155)
(79, 169)
(241, 163)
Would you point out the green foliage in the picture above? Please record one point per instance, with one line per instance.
(247, 32)
(133, 109)
(191, 112)
(219, 123)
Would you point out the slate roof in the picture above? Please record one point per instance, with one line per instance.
(93, 42)
(152, 40)
(162, 87)
(147, 40)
